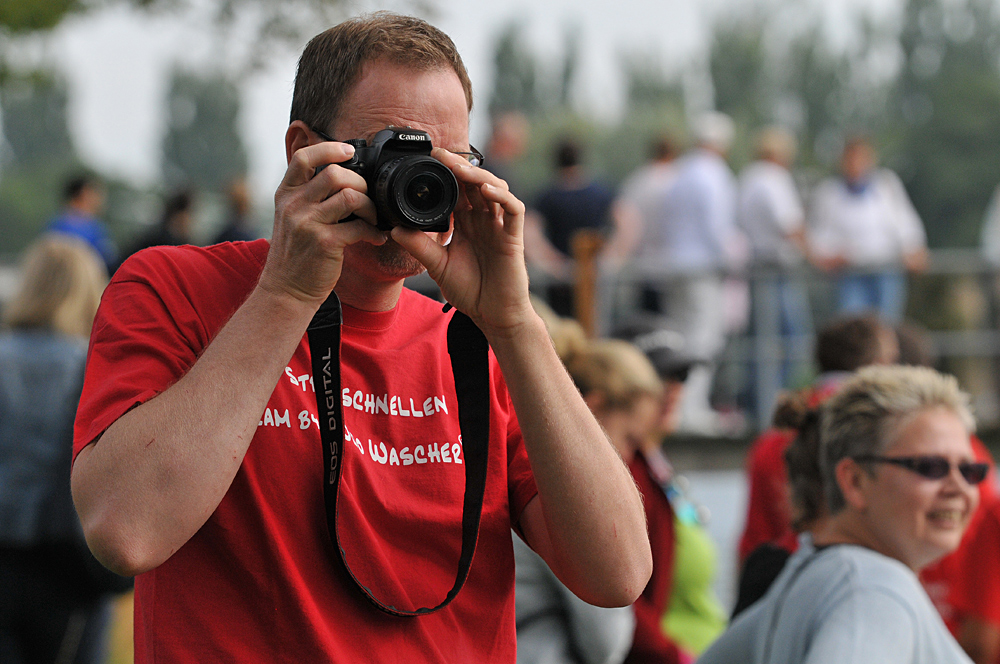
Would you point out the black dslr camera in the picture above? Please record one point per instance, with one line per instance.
(410, 188)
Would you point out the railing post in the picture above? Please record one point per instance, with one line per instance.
(586, 246)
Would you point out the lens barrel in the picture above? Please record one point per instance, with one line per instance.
(417, 191)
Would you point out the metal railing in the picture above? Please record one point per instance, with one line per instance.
(955, 300)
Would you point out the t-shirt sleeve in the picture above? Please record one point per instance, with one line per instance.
(140, 345)
(520, 480)
(908, 225)
(866, 627)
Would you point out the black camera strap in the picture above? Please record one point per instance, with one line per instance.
(469, 352)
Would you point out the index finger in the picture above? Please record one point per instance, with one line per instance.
(304, 162)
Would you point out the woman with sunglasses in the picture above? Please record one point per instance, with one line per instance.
(900, 480)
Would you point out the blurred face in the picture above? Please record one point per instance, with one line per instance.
(669, 412)
(91, 199)
(628, 428)
(856, 161)
(910, 517)
(644, 419)
(388, 94)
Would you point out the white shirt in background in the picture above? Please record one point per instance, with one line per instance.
(876, 227)
(769, 210)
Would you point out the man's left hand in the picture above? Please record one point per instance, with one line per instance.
(481, 272)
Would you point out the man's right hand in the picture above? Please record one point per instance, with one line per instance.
(307, 245)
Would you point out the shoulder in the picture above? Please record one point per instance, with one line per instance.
(192, 268)
(237, 255)
(860, 571)
(888, 177)
(769, 447)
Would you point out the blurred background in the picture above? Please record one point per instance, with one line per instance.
(152, 96)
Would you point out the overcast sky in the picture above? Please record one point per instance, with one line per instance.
(118, 63)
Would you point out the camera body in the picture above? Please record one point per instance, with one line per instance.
(409, 187)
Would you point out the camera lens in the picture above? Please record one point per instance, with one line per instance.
(417, 191)
(424, 192)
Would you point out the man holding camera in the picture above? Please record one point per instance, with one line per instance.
(199, 467)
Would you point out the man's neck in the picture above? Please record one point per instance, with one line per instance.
(357, 291)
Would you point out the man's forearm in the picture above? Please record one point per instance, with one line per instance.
(589, 522)
(158, 473)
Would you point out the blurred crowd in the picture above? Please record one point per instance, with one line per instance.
(56, 601)
(871, 477)
(867, 478)
(696, 239)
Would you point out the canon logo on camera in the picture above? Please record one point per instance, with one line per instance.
(412, 137)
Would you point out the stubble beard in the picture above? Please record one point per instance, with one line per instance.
(393, 261)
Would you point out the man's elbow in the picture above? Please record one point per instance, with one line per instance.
(122, 554)
(633, 580)
(621, 585)
(115, 545)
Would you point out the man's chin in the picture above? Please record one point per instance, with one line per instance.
(390, 260)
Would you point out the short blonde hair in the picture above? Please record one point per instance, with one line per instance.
(777, 143)
(616, 369)
(61, 284)
(863, 415)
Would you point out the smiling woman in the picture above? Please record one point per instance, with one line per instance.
(900, 480)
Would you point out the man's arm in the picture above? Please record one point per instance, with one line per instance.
(156, 475)
(587, 521)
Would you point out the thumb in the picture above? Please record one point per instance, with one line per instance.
(430, 254)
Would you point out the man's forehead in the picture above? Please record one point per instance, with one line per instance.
(389, 94)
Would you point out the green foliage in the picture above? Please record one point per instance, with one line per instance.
(202, 146)
(34, 119)
(40, 154)
(21, 16)
(739, 68)
(947, 100)
(516, 74)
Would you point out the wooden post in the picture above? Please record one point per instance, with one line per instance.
(586, 245)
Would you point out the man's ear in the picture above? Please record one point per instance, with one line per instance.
(298, 135)
(852, 479)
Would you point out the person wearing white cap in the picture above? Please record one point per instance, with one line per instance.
(696, 241)
(770, 212)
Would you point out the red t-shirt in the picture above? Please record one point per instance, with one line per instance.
(261, 580)
(943, 580)
(976, 589)
(769, 512)
(769, 517)
(650, 643)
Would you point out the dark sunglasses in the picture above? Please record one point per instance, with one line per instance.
(932, 467)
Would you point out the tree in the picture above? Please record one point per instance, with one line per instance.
(202, 145)
(38, 155)
(20, 16)
(515, 75)
(946, 110)
(260, 23)
(738, 65)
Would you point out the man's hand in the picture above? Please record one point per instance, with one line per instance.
(481, 271)
(307, 246)
(587, 521)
